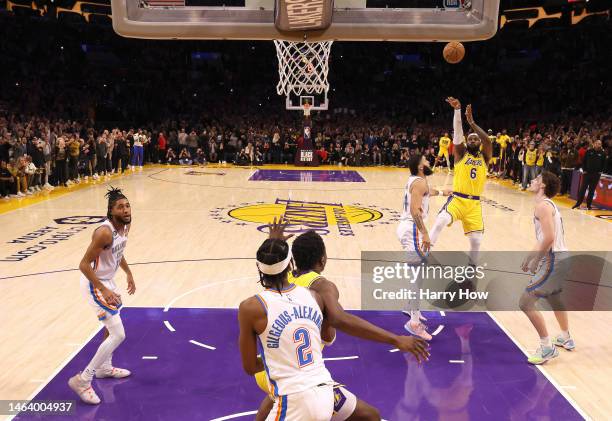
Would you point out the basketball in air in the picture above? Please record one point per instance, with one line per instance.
(454, 52)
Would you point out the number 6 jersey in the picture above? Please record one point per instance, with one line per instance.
(291, 343)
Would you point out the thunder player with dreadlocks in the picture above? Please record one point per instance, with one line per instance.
(98, 266)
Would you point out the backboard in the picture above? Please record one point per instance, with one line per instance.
(352, 20)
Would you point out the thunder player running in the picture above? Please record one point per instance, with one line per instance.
(310, 258)
(468, 182)
(287, 321)
(548, 262)
(412, 232)
(99, 266)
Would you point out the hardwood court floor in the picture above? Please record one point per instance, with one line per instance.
(192, 242)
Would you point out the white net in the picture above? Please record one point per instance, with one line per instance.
(302, 67)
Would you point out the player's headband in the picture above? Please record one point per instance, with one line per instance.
(276, 268)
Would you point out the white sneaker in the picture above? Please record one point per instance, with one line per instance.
(69, 183)
(28, 193)
(543, 354)
(48, 186)
(114, 372)
(565, 342)
(20, 194)
(417, 329)
(84, 390)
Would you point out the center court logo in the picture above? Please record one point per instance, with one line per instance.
(303, 216)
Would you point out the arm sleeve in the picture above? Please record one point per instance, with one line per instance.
(457, 128)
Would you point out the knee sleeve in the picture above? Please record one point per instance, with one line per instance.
(475, 241)
(442, 221)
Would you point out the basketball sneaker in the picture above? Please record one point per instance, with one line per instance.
(407, 313)
(567, 343)
(543, 354)
(417, 328)
(84, 390)
(114, 372)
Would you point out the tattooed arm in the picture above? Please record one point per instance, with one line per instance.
(417, 191)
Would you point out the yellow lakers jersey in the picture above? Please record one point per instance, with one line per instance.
(530, 157)
(444, 142)
(540, 162)
(503, 141)
(470, 175)
(304, 280)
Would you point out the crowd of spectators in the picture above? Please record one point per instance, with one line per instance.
(38, 153)
(79, 102)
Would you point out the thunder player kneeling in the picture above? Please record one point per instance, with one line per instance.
(99, 265)
(412, 231)
(286, 320)
(468, 182)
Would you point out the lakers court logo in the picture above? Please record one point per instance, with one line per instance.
(302, 216)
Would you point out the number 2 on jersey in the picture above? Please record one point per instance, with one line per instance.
(301, 336)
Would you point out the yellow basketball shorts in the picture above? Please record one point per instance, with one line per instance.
(443, 152)
(468, 211)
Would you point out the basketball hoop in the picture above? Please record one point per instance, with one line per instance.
(302, 67)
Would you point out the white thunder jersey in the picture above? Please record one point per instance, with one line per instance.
(559, 243)
(107, 263)
(291, 342)
(406, 216)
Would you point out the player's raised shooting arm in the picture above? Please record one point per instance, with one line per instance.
(101, 238)
(346, 322)
(458, 145)
(249, 311)
(487, 145)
